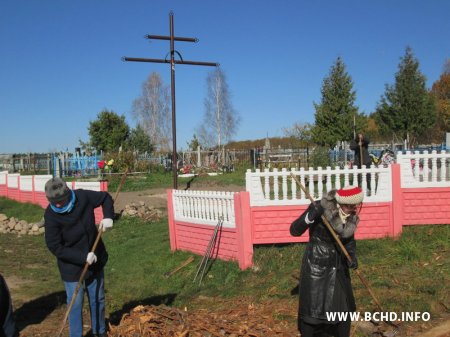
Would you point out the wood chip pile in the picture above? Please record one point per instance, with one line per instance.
(249, 320)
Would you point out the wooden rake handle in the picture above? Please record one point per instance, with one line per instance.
(339, 243)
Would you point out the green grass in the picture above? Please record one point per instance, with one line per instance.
(408, 274)
(165, 180)
(23, 211)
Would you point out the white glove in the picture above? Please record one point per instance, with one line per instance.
(91, 258)
(106, 224)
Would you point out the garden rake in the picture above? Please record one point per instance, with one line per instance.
(86, 265)
(208, 253)
(347, 256)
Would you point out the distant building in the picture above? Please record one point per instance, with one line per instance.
(6, 161)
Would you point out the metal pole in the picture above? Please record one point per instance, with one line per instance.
(172, 90)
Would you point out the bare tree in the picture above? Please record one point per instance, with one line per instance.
(220, 120)
(301, 132)
(152, 112)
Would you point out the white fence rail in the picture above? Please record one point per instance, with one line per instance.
(204, 207)
(424, 169)
(276, 187)
(40, 181)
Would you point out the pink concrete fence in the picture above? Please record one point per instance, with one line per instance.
(32, 189)
(381, 216)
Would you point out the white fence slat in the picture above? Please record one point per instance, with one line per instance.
(275, 184)
(293, 185)
(26, 183)
(87, 185)
(320, 183)
(204, 207)
(424, 169)
(302, 181)
(13, 180)
(3, 175)
(284, 183)
(328, 175)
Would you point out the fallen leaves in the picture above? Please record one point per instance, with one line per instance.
(250, 320)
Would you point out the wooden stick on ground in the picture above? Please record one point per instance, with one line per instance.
(184, 264)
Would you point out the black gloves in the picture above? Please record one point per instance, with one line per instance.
(353, 264)
(315, 211)
(308, 218)
(351, 250)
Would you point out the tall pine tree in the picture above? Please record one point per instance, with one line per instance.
(335, 114)
(406, 111)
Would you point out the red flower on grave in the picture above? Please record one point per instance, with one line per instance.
(101, 164)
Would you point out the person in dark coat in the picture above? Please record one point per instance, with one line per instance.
(70, 233)
(361, 147)
(325, 284)
(7, 323)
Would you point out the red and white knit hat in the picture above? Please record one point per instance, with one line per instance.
(349, 195)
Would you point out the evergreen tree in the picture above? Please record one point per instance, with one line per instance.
(108, 132)
(406, 111)
(139, 140)
(194, 143)
(335, 114)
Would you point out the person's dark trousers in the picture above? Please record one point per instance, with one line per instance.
(7, 323)
(340, 329)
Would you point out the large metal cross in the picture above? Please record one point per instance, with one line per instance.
(172, 62)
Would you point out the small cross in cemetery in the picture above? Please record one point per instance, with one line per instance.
(172, 62)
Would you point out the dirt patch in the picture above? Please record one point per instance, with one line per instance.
(14, 282)
(157, 197)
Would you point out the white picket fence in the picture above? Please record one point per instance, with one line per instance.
(204, 207)
(424, 169)
(13, 180)
(276, 187)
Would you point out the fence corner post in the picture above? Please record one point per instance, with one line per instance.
(397, 201)
(19, 192)
(33, 189)
(171, 220)
(243, 229)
